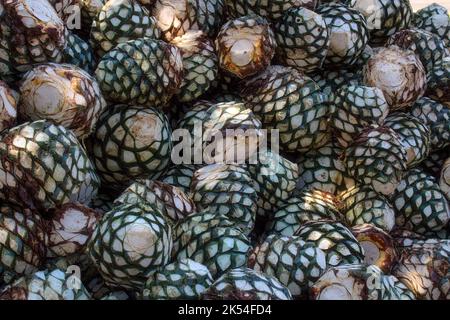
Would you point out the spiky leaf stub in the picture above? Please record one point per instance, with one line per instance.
(245, 46)
(200, 64)
(307, 205)
(286, 100)
(32, 32)
(173, 203)
(46, 285)
(295, 263)
(181, 280)
(444, 180)
(414, 135)
(377, 158)
(70, 228)
(176, 17)
(361, 205)
(399, 74)
(129, 243)
(437, 117)
(246, 284)
(384, 17)
(272, 9)
(348, 33)
(420, 204)
(63, 94)
(359, 282)
(354, 108)
(131, 142)
(8, 106)
(303, 39)
(428, 46)
(22, 244)
(275, 180)
(434, 18)
(439, 82)
(333, 238)
(43, 166)
(378, 246)
(79, 53)
(119, 21)
(424, 268)
(228, 190)
(143, 71)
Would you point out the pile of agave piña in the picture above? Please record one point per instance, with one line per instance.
(92, 205)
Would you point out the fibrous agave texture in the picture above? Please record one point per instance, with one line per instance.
(62, 94)
(359, 282)
(246, 284)
(245, 46)
(303, 39)
(399, 74)
(142, 71)
(434, 18)
(176, 17)
(272, 9)
(32, 32)
(119, 21)
(70, 228)
(444, 181)
(43, 166)
(8, 106)
(46, 285)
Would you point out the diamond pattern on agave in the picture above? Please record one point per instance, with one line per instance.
(43, 166)
(131, 142)
(129, 243)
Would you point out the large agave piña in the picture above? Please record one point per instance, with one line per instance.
(377, 158)
(130, 242)
(414, 135)
(437, 117)
(22, 244)
(131, 142)
(424, 267)
(8, 106)
(32, 32)
(272, 9)
(434, 18)
(46, 285)
(334, 239)
(180, 176)
(63, 94)
(354, 108)
(384, 17)
(399, 74)
(428, 46)
(119, 21)
(434, 162)
(246, 284)
(43, 166)
(226, 189)
(79, 53)
(306, 206)
(359, 282)
(329, 80)
(175, 17)
(291, 102)
(420, 204)
(348, 33)
(361, 204)
(199, 63)
(142, 71)
(245, 45)
(303, 39)
(295, 263)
